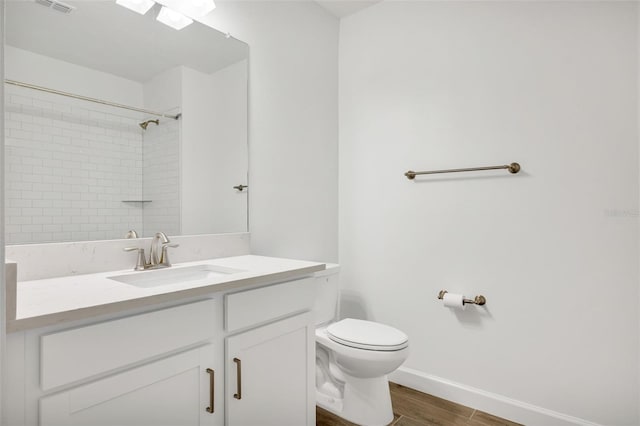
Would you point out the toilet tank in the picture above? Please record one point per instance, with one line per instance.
(327, 284)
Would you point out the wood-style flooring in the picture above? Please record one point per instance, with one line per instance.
(413, 408)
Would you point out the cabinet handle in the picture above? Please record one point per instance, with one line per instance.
(239, 378)
(212, 382)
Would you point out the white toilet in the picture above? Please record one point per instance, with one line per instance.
(353, 358)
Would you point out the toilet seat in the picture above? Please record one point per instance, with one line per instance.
(367, 335)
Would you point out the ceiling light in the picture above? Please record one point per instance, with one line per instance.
(191, 8)
(173, 19)
(201, 7)
(140, 6)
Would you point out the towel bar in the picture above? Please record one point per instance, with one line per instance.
(513, 168)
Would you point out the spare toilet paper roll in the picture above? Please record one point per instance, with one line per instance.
(453, 300)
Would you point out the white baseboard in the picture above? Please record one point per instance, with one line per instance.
(498, 405)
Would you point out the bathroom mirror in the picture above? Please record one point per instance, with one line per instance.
(166, 158)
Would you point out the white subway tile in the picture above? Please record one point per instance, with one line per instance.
(68, 169)
(32, 228)
(62, 220)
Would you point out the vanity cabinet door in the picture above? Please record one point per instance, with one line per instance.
(270, 379)
(172, 391)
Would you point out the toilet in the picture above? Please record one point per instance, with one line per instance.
(353, 358)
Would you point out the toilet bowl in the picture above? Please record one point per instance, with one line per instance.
(353, 358)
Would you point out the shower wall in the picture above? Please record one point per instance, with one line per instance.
(161, 181)
(72, 169)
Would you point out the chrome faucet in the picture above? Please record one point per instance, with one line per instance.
(158, 256)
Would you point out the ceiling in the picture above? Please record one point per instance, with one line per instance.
(104, 36)
(342, 8)
(137, 47)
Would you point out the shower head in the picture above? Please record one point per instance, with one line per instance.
(144, 124)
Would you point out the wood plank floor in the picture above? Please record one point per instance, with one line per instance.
(413, 408)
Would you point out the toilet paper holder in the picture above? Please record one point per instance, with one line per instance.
(478, 300)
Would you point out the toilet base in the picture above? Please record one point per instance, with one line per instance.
(365, 402)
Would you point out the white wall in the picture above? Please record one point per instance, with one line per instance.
(33, 68)
(2, 243)
(214, 150)
(228, 162)
(552, 85)
(196, 150)
(638, 124)
(293, 124)
(164, 91)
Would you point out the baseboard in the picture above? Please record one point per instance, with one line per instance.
(498, 405)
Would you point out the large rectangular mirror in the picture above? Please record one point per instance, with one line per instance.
(115, 122)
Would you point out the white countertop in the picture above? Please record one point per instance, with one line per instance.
(56, 300)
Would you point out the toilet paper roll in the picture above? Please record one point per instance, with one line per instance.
(453, 300)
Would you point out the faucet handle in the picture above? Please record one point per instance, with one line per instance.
(141, 262)
(131, 234)
(164, 256)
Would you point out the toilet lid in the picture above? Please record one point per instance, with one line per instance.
(367, 335)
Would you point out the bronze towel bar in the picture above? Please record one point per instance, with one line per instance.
(513, 168)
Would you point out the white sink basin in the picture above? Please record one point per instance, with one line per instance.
(160, 277)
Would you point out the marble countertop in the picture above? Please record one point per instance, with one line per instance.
(56, 300)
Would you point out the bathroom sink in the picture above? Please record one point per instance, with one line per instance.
(160, 277)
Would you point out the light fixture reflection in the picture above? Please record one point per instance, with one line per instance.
(140, 6)
(191, 8)
(203, 7)
(173, 19)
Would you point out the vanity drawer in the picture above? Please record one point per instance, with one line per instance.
(80, 353)
(253, 307)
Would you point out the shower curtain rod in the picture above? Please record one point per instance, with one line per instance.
(94, 100)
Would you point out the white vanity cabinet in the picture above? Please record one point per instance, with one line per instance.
(270, 382)
(175, 365)
(270, 368)
(150, 369)
(171, 391)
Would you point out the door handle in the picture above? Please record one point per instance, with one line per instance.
(240, 187)
(238, 395)
(212, 382)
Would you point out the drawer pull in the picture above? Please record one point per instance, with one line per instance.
(212, 382)
(239, 378)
